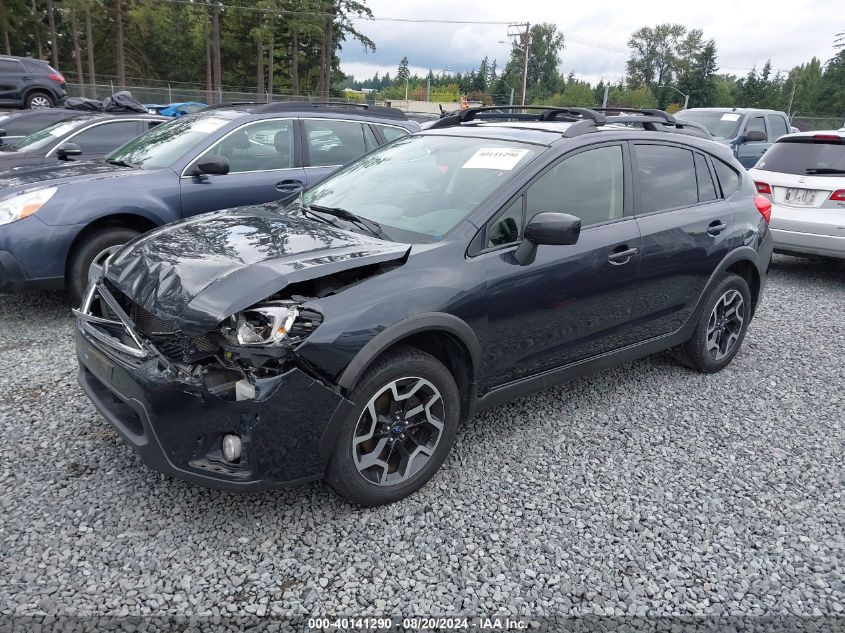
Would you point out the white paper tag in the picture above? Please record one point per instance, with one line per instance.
(730, 117)
(206, 126)
(499, 158)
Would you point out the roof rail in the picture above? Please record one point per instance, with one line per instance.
(643, 111)
(231, 104)
(652, 123)
(520, 113)
(374, 110)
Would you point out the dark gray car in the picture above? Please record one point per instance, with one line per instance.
(29, 83)
(83, 137)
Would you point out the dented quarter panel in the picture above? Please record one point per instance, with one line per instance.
(199, 271)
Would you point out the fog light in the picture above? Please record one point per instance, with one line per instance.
(231, 447)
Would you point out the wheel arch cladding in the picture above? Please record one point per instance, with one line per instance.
(116, 220)
(446, 337)
(748, 271)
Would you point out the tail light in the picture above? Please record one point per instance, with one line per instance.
(762, 187)
(838, 196)
(56, 77)
(764, 206)
(827, 137)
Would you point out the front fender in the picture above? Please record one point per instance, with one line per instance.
(426, 322)
(153, 196)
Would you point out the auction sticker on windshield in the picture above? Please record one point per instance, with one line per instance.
(500, 158)
(730, 117)
(206, 126)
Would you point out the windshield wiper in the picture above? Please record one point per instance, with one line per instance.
(119, 163)
(824, 170)
(371, 226)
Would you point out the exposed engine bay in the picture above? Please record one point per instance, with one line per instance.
(239, 359)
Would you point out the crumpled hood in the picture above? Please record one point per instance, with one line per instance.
(62, 173)
(199, 271)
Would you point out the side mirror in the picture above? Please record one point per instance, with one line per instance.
(754, 136)
(555, 229)
(213, 165)
(66, 150)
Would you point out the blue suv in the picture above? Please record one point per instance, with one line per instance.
(55, 221)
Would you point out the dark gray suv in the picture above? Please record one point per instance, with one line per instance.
(29, 83)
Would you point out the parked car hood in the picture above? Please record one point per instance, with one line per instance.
(200, 271)
(62, 173)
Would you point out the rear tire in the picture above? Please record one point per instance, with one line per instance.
(384, 450)
(95, 247)
(721, 327)
(38, 99)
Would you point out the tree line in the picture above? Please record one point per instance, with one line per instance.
(282, 46)
(294, 46)
(667, 62)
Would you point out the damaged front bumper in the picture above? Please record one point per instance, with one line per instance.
(176, 422)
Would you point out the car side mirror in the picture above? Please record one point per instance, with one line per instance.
(554, 229)
(213, 165)
(66, 150)
(754, 136)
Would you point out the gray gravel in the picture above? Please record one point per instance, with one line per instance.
(648, 489)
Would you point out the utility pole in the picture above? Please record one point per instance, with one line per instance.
(514, 30)
(606, 91)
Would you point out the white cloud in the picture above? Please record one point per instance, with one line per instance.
(746, 33)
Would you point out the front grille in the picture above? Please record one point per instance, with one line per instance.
(147, 322)
(162, 333)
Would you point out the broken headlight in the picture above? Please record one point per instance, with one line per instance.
(263, 325)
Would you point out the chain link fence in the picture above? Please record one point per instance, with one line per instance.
(169, 93)
(808, 123)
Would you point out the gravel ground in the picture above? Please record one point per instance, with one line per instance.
(648, 489)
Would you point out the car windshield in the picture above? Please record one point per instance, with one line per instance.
(46, 137)
(166, 143)
(719, 124)
(805, 155)
(423, 185)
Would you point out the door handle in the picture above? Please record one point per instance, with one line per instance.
(716, 227)
(289, 185)
(618, 257)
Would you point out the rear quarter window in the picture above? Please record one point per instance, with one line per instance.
(728, 177)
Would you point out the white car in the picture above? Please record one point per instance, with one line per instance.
(804, 176)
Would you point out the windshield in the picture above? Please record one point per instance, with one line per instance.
(719, 124)
(166, 143)
(46, 137)
(423, 184)
(800, 154)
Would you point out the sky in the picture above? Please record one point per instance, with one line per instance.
(747, 33)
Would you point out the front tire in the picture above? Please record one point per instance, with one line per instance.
(399, 432)
(38, 100)
(721, 327)
(95, 248)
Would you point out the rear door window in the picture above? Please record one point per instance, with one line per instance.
(105, 137)
(333, 142)
(777, 126)
(666, 177)
(10, 66)
(805, 156)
